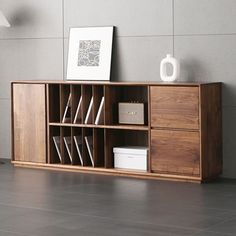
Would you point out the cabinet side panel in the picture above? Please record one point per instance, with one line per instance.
(29, 122)
(211, 130)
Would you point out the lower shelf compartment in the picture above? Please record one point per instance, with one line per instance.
(108, 171)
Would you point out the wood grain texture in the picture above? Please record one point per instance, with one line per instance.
(125, 127)
(112, 97)
(29, 112)
(112, 139)
(149, 130)
(175, 152)
(110, 171)
(134, 83)
(52, 152)
(175, 107)
(211, 131)
(98, 146)
(54, 103)
(183, 129)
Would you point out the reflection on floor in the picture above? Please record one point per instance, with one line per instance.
(47, 203)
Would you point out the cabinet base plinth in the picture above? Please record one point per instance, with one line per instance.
(108, 171)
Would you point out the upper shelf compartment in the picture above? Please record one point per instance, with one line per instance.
(124, 94)
(54, 102)
(76, 104)
(96, 105)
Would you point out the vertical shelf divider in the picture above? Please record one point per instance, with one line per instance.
(62, 146)
(149, 129)
(98, 147)
(76, 95)
(87, 95)
(98, 93)
(73, 162)
(61, 103)
(48, 156)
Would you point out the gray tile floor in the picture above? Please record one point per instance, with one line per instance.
(47, 203)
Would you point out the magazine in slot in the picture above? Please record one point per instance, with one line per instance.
(78, 115)
(67, 141)
(88, 118)
(56, 141)
(78, 145)
(89, 145)
(100, 114)
(67, 112)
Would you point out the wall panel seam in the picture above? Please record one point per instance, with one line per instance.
(29, 38)
(63, 36)
(192, 35)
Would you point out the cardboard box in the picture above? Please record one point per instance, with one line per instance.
(131, 113)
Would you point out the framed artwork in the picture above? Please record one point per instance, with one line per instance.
(89, 56)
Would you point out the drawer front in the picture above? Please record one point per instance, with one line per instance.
(175, 152)
(175, 107)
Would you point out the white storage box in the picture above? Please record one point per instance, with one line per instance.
(133, 158)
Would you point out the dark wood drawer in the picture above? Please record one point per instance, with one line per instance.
(175, 107)
(175, 152)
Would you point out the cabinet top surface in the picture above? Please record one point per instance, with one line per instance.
(131, 83)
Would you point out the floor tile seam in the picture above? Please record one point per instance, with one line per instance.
(216, 224)
(17, 233)
(217, 233)
(90, 194)
(76, 200)
(105, 218)
(219, 209)
(160, 233)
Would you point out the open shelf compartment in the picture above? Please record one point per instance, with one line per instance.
(54, 103)
(121, 138)
(124, 94)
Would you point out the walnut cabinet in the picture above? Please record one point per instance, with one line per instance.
(182, 129)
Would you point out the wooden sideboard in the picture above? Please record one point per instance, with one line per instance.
(183, 128)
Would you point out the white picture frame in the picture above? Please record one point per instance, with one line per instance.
(90, 52)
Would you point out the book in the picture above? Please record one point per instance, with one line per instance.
(88, 118)
(78, 145)
(67, 112)
(89, 145)
(56, 140)
(67, 141)
(77, 113)
(99, 116)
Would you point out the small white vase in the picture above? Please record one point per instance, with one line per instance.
(163, 68)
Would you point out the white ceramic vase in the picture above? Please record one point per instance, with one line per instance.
(169, 59)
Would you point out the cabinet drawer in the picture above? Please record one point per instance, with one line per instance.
(175, 107)
(175, 152)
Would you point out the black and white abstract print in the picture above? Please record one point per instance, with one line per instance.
(89, 52)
